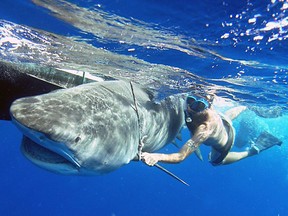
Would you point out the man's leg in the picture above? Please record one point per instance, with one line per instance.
(231, 157)
(263, 142)
(236, 156)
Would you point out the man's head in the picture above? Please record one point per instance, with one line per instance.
(197, 103)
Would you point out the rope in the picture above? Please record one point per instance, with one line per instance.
(141, 139)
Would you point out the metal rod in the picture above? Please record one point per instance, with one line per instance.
(171, 174)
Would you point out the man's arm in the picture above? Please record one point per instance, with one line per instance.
(200, 135)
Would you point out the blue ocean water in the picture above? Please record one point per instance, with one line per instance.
(250, 37)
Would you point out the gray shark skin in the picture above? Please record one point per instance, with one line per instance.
(93, 128)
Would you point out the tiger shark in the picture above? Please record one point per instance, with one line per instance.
(95, 128)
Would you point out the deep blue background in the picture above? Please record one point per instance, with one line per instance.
(256, 186)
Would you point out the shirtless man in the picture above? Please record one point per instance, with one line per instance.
(213, 129)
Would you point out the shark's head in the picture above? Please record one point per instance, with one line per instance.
(43, 142)
(74, 131)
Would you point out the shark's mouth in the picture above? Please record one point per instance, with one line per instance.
(46, 158)
(46, 153)
(38, 152)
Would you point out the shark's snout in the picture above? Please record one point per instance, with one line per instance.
(23, 110)
(42, 114)
(33, 117)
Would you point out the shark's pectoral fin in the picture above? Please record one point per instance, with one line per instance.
(175, 144)
(179, 136)
(198, 154)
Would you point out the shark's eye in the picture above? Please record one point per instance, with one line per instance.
(77, 139)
